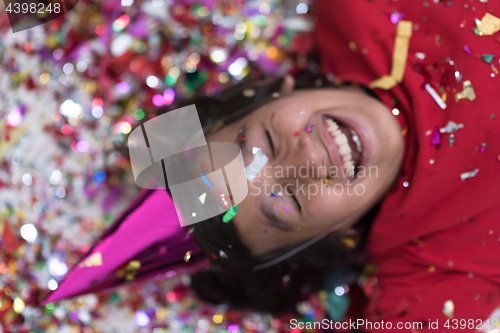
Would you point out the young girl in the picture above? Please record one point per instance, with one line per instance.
(427, 130)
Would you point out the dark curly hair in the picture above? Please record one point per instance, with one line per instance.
(231, 279)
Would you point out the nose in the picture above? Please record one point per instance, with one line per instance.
(307, 155)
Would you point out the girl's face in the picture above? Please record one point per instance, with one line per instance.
(332, 155)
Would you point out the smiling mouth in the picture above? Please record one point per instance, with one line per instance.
(348, 144)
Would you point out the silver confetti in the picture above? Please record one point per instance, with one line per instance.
(249, 93)
(449, 308)
(222, 254)
(467, 175)
(451, 127)
(451, 139)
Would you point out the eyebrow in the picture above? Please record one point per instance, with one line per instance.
(274, 220)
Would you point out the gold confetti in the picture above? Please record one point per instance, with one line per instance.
(217, 127)
(488, 25)
(444, 96)
(467, 92)
(399, 56)
(92, 261)
(129, 271)
(187, 256)
(348, 242)
(431, 268)
(249, 93)
(16, 134)
(449, 309)
(18, 305)
(353, 46)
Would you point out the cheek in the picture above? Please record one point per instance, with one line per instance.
(291, 118)
(340, 201)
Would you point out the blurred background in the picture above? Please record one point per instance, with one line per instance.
(70, 92)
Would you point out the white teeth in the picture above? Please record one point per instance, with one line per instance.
(340, 140)
(357, 141)
(344, 150)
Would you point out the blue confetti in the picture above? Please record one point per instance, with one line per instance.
(99, 176)
(205, 180)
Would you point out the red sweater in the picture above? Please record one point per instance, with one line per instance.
(438, 238)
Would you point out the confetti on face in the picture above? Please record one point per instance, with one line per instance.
(217, 127)
(302, 112)
(287, 208)
(273, 194)
(243, 138)
(272, 117)
(308, 129)
(229, 214)
(296, 134)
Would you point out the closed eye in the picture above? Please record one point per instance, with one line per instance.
(296, 202)
(290, 193)
(270, 142)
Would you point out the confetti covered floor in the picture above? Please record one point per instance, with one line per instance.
(70, 92)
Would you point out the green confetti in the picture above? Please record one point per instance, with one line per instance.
(139, 114)
(229, 214)
(488, 58)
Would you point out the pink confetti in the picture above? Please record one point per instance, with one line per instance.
(396, 17)
(436, 137)
(308, 129)
(466, 49)
(286, 208)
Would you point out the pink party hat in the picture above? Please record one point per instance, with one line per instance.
(146, 241)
